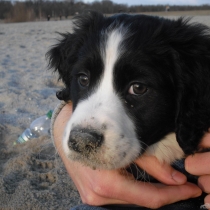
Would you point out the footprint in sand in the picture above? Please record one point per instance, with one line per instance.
(39, 171)
(42, 174)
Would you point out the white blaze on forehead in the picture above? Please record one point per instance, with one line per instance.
(110, 56)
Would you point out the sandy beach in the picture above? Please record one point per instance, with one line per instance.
(32, 175)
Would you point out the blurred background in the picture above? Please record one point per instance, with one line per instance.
(35, 10)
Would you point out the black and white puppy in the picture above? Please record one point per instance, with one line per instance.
(138, 84)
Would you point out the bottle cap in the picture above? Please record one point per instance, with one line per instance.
(49, 114)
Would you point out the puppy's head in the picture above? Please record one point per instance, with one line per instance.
(132, 81)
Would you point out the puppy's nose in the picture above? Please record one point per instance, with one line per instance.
(84, 140)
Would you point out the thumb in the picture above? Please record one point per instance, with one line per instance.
(163, 172)
(205, 143)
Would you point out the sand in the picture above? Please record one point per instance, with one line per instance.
(32, 175)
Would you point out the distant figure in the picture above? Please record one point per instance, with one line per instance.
(48, 18)
(60, 16)
(167, 8)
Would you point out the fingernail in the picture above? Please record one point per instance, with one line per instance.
(178, 177)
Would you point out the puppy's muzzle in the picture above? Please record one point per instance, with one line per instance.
(85, 140)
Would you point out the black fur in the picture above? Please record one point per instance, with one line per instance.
(172, 55)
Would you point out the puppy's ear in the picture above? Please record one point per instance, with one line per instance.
(193, 100)
(193, 117)
(62, 57)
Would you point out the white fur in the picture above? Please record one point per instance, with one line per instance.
(166, 150)
(104, 107)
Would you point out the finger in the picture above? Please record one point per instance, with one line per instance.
(203, 183)
(163, 172)
(159, 194)
(198, 164)
(207, 201)
(94, 198)
(205, 143)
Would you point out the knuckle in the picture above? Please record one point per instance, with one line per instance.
(90, 199)
(156, 202)
(94, 196)
(100, 190)
(155, 205)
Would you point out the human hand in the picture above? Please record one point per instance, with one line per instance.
(100, 187)
(199, 164)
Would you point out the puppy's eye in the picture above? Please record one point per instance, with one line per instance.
(83, 80)
(137, 89)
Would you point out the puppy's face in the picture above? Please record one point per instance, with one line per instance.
(121, 101)
(122, 81)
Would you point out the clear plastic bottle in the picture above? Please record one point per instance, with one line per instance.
(39, 127)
